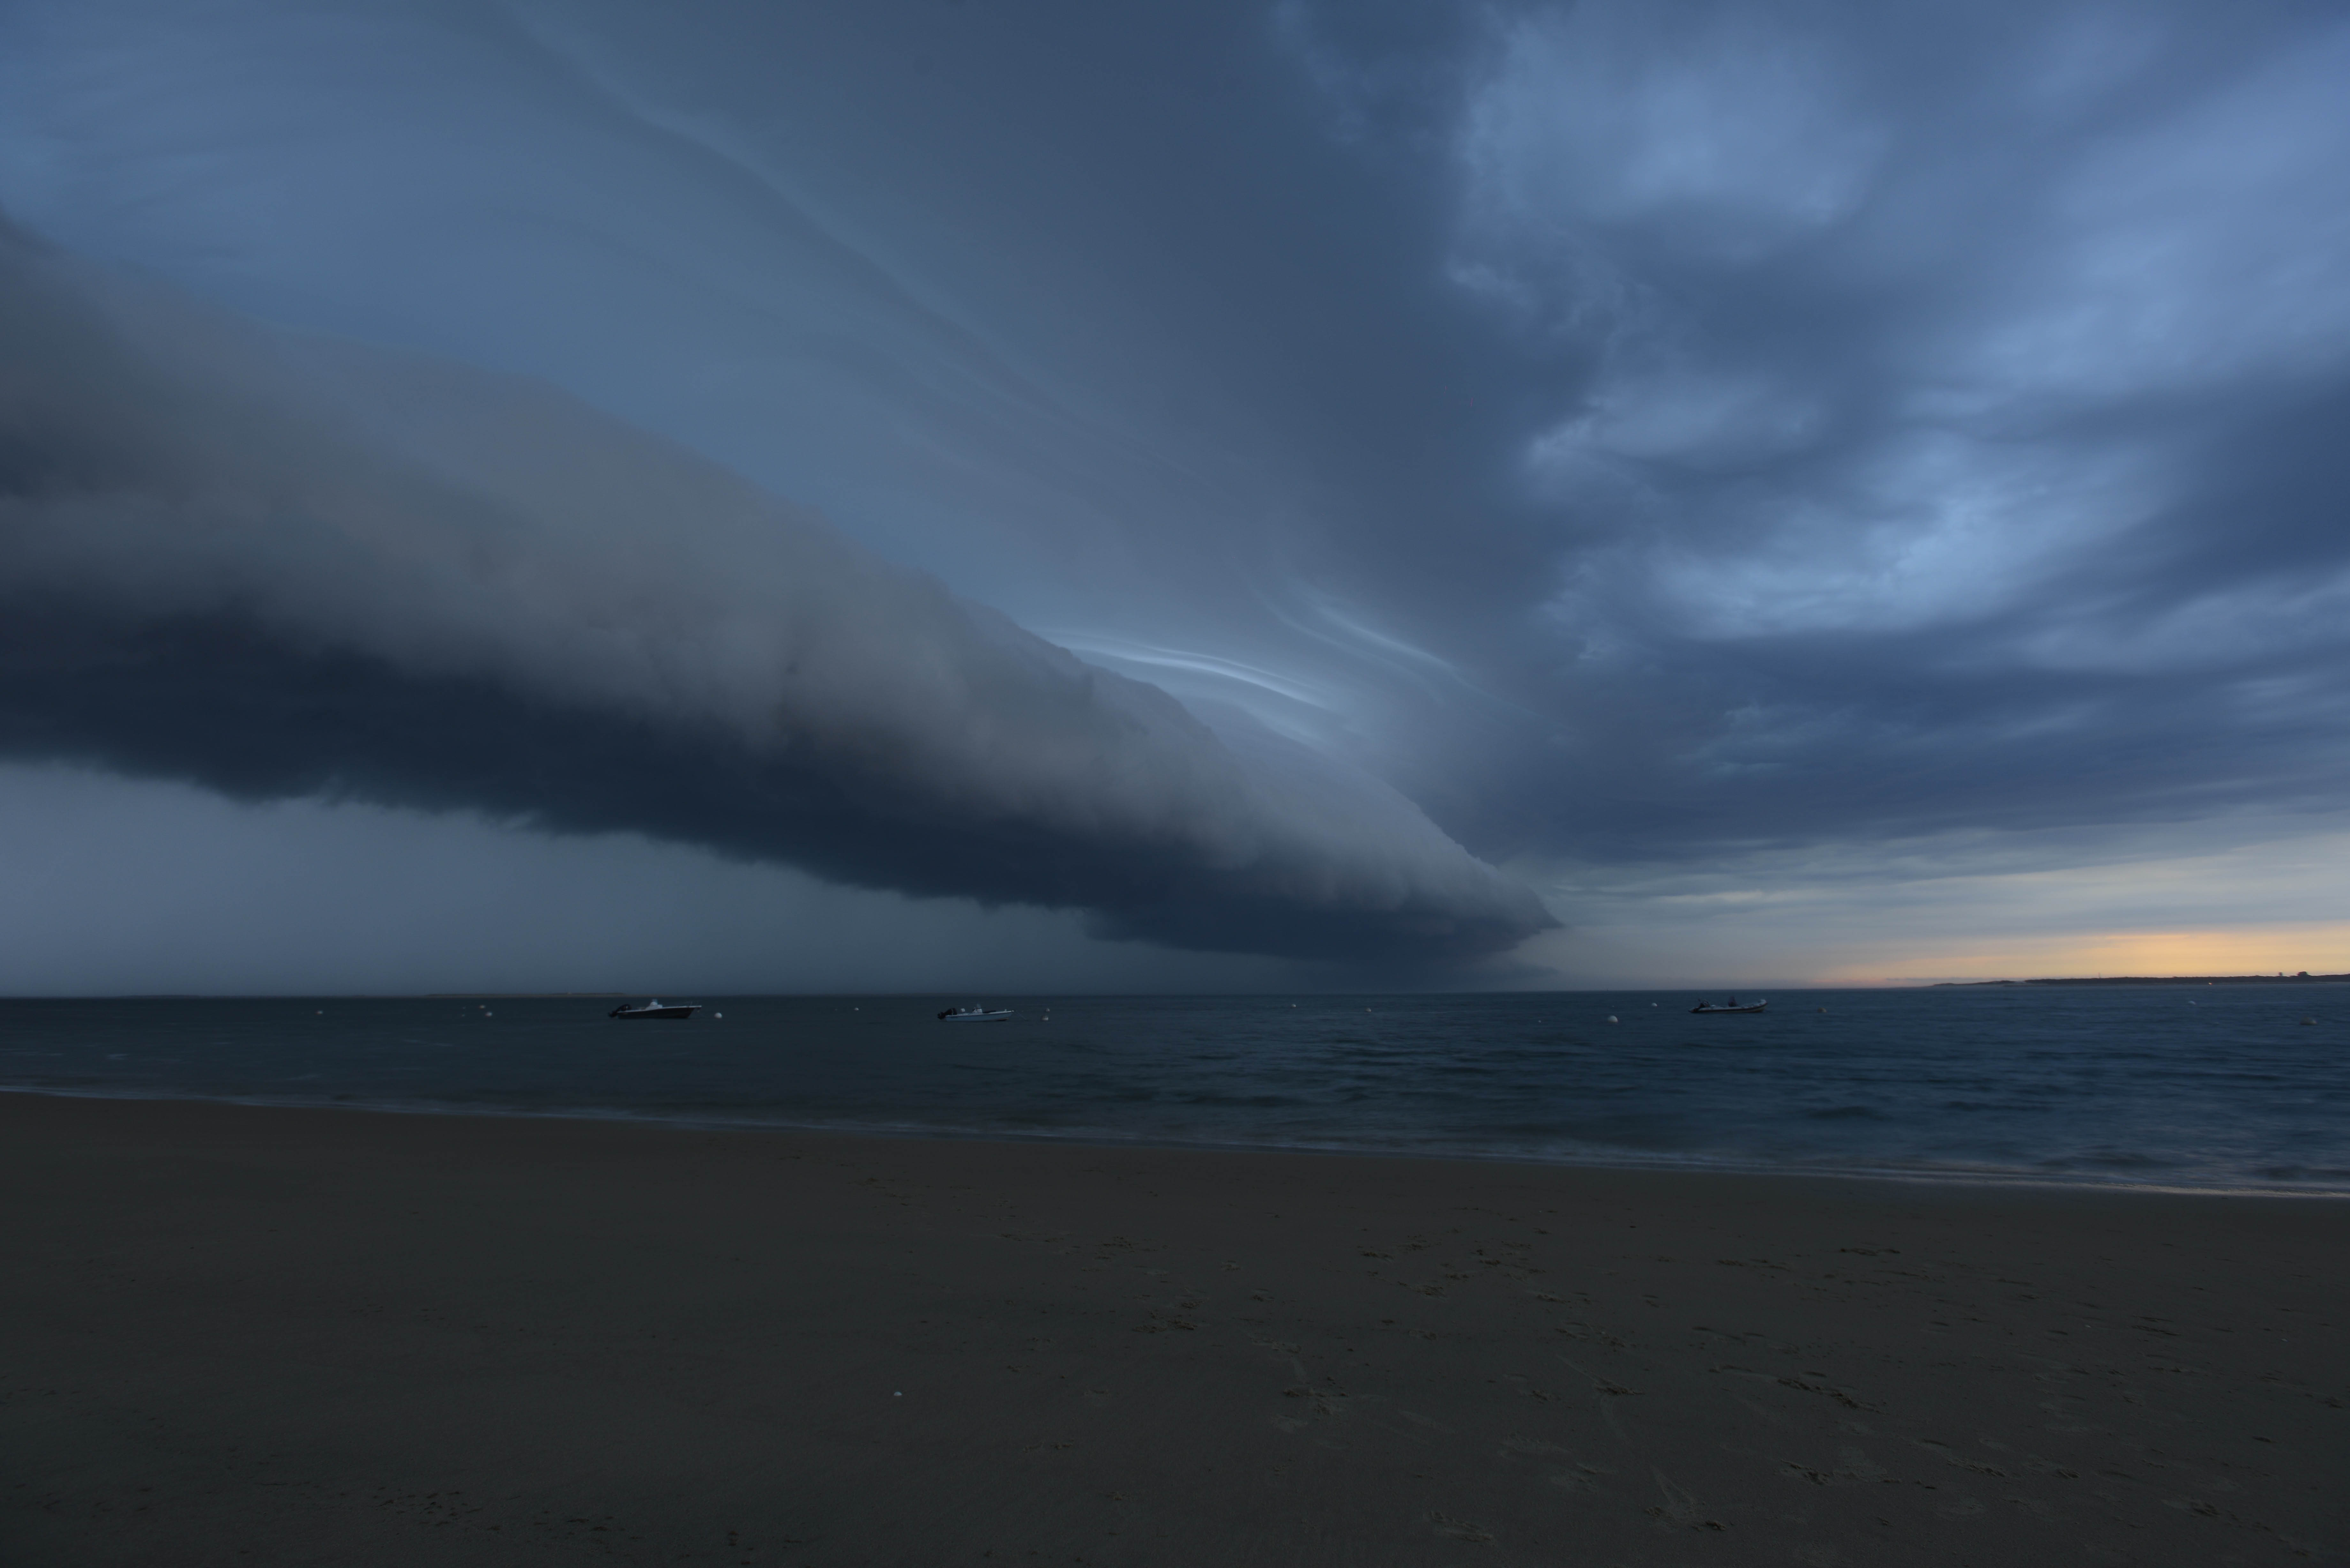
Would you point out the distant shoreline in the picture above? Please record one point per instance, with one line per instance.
(2165, 980)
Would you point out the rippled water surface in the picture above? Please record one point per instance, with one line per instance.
(2189, 1087)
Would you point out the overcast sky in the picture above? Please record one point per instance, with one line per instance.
(968, 492)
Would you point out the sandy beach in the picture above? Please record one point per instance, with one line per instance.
(239, 1335)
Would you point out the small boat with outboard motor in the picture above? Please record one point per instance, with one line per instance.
(974, 1015)
(1732, 1005)
(656, 1009)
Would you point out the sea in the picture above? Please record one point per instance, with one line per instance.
(2225, 1087)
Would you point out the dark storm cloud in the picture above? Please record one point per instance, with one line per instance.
(283, 568)
(1946, 425)
(1637, 432)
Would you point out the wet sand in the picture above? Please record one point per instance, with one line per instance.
(234, 1335)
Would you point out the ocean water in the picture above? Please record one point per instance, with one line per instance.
(2195, 1088)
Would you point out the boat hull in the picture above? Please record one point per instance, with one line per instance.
(634, 1012)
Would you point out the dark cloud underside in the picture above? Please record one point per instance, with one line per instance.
(282, 569)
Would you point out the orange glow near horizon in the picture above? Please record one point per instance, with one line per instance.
(2318, 948)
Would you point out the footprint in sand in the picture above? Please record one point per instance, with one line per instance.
(1680, 1510)
(1461, 1529)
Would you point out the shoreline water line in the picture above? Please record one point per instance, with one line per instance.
(1693, 1164)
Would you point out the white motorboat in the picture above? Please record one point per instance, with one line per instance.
(974, 1015)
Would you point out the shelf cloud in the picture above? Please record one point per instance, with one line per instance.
(285, 567)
